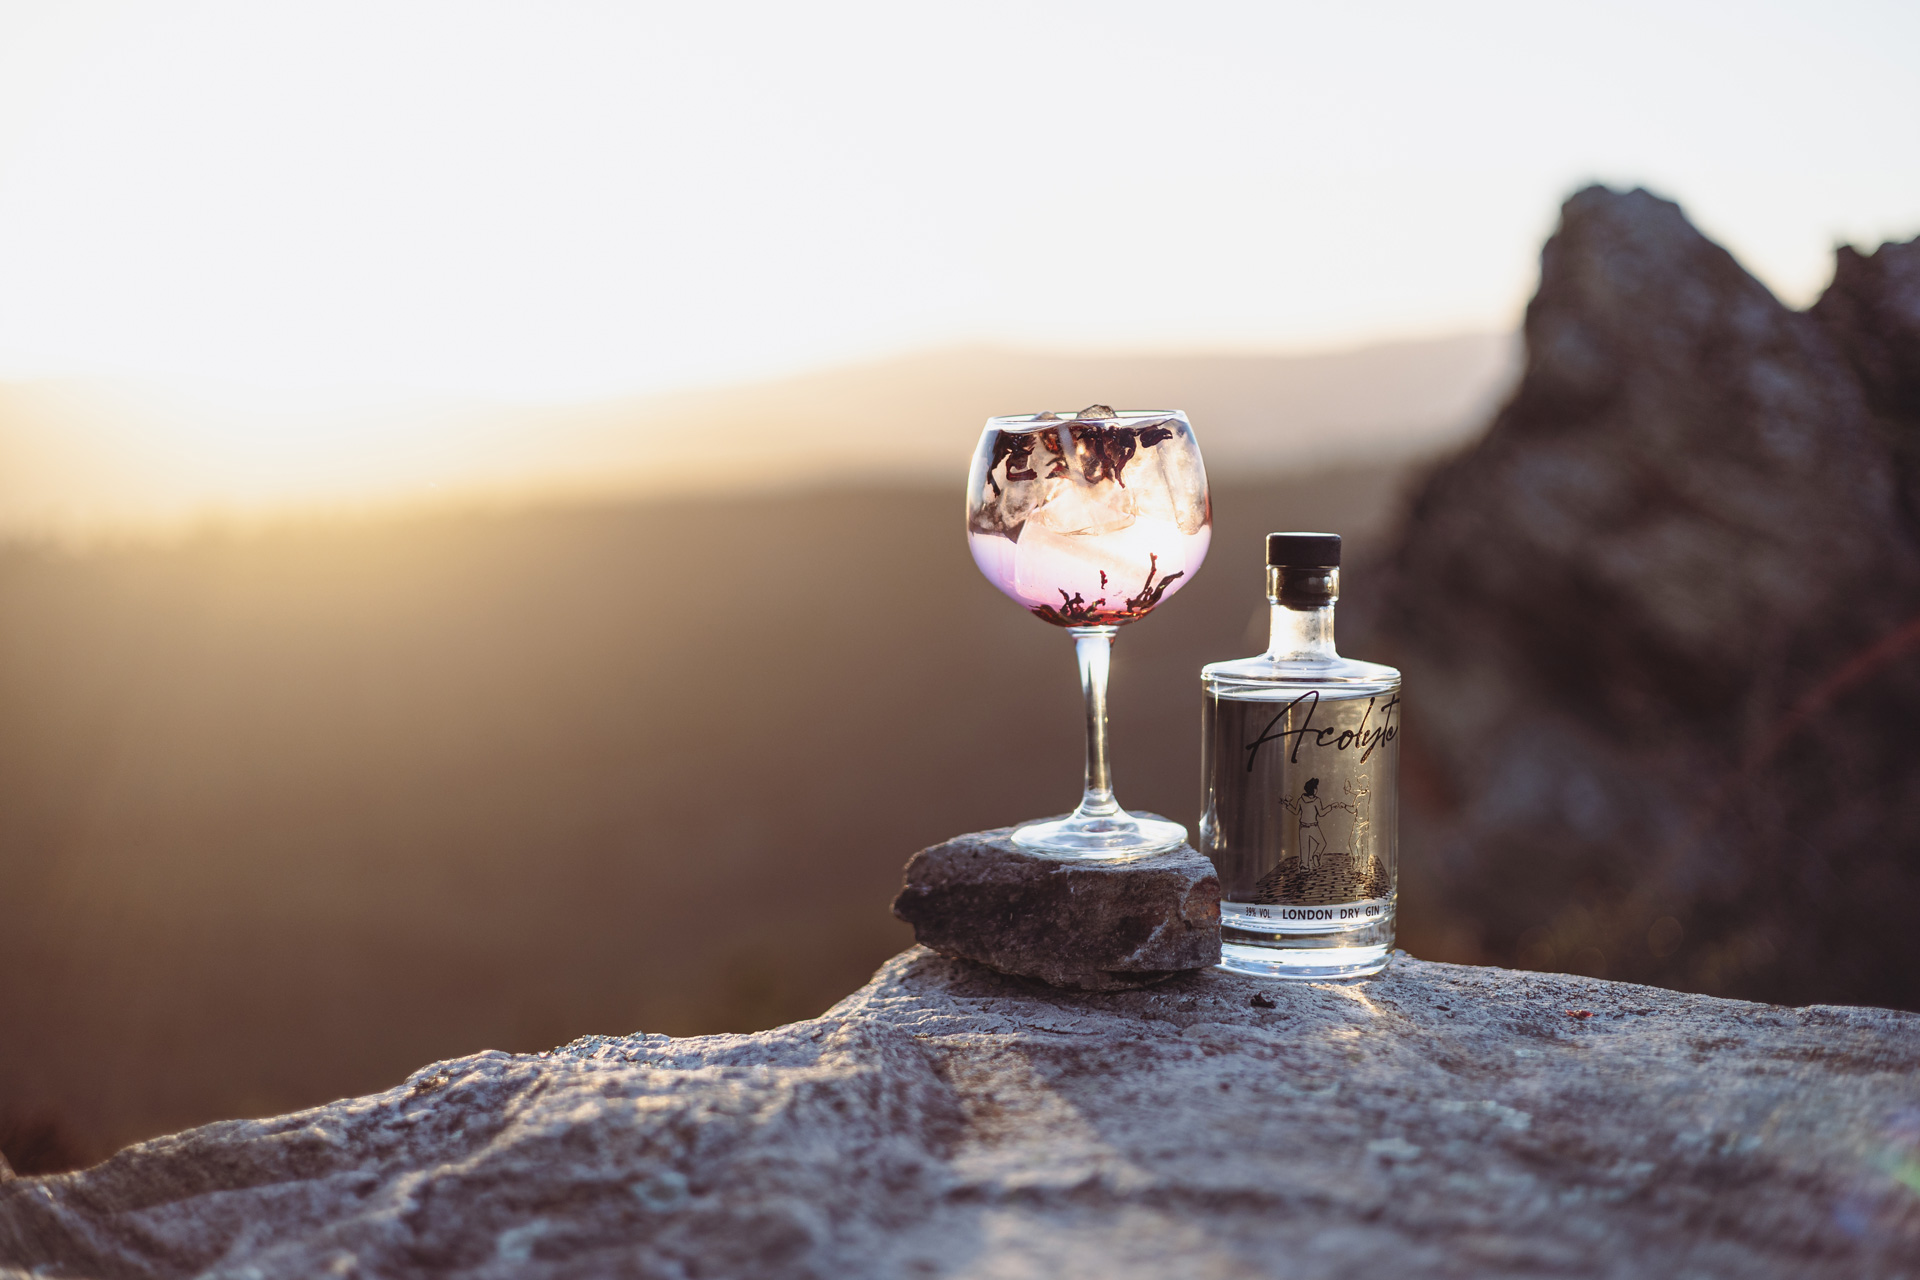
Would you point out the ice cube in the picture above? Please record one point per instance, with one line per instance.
(1094, 413)
(1080, 509)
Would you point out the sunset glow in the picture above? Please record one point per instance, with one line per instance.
(567, 201)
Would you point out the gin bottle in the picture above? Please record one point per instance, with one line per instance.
(1300, 763)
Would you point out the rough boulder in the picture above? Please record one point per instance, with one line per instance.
(948, 1121)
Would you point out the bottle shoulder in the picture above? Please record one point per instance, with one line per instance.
(1267, 676)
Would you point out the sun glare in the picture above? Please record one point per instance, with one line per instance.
(570, 200)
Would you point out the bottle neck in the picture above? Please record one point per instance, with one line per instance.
(1302, 613)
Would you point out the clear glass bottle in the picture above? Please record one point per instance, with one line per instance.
(1300, 759)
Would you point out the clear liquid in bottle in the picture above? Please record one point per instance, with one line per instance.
(1300, 765)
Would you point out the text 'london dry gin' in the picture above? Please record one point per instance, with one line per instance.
(1300, 758)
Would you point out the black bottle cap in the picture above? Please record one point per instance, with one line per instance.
(1303, 550)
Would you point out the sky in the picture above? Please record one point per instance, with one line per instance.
(565, 201)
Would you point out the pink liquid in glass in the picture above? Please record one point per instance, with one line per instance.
(1085, 579)
(1089, 523)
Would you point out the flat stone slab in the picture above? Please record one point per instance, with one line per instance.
(1088, 926)
(945, 1121)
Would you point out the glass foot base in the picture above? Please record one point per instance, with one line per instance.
(1118, 836)
(1319, 964)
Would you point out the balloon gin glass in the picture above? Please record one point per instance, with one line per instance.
(1090, 521)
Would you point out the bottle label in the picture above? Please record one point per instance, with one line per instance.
(1301, 815)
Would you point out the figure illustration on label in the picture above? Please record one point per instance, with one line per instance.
(1308, 810)
(1326, 850)
(1300, 751)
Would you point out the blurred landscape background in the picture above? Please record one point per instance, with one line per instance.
(480, 520)
(299, 803)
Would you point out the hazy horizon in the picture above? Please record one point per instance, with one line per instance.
(261, 261)
(91, 458)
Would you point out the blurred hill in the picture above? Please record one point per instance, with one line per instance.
(290, 804)
(285, 813)
(82, 458)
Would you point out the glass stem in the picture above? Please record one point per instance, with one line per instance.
(1093, 646)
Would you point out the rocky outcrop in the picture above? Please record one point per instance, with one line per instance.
(1872, 310)
(1090, 926)
(1661, 627)
(947, 1121)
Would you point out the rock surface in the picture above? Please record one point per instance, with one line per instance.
(948, 1121)
(1661, 627)
(1090, 926)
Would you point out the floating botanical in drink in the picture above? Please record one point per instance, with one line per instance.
(1091, 520)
